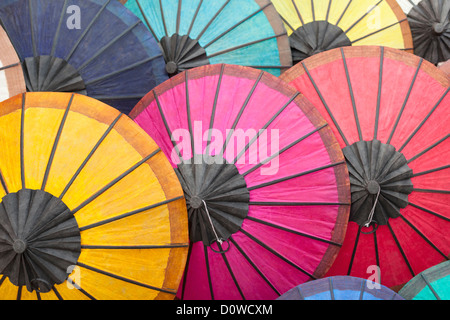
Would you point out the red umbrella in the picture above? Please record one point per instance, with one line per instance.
(265, 180)
(389, 111)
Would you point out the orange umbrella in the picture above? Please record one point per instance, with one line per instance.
(89, 198)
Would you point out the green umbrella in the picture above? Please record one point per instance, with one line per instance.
(432, 284)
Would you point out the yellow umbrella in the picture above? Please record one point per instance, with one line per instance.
(314, 26)
(87, 197)
(12, 81)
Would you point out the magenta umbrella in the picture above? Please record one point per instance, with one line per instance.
(266, 183)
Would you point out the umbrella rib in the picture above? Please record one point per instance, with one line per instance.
(185, 272)
(58, 295)
(359, 20)
(343, 13)
(19, 293)
(380, 86)
(350, 266)
(424, 120)
(227, 263)
(72, 180)
(283, 150)
(294, 231)
(208, 272)
(213, 112)
(245, 45)
(58, 30)
(401, 249)
(212, 20)
(379, 30)
(55, 144)
(22, 128)
(287, 23)
(298, 12)
(238, 117)
(72, 51)
(130, 67)
(406, 100)
(80, 289)
(146, 20)
(263, 185)
(254, 265)
(9, 66)
(178, 16)
(237, 24)
(115, 276)
(194, 18)
(362, 290)
(328, 10)
(266, 126)
(428, 149)
(3, 182)
(352, 96)
(430, 286)
(166, 125)
(188, 113)
(377, 254)
(431, 171)
(429, 211)
(163, 18)
(33, 36)
(108, 45)
(325, 104)
(126, 215)
(115, 181)
(431, 191)
(265, 246)
(330, 283)
(423, 236)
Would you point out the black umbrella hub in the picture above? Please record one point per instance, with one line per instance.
(380, 182)
(39, 240)
(217, 198)
(430, 27)
(316, 37)
(52, 74)
(182, 53)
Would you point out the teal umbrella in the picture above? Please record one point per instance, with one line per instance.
(193, 33)
(431, 284)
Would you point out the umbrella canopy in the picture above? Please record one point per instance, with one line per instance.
(430, 27)
(340, 288)
(194, 33)
(89, 198)
(389, 112)
(431, 284)
(12, 81)
(265, 180)
(320, 25)
(93, 47)
(445, 66)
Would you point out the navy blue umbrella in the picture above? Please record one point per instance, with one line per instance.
(93, 47)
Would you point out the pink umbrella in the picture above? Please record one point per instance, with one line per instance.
(265, 181)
